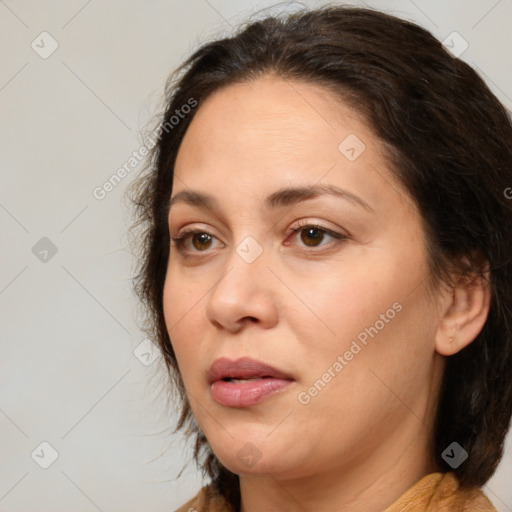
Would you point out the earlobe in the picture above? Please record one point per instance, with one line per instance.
(465, 315)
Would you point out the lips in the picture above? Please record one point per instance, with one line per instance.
(243, 369)
(244, 382)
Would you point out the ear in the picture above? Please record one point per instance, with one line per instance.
(464, 313)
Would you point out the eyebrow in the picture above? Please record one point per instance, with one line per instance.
(283, 197)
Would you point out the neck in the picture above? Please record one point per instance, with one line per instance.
(369, 485)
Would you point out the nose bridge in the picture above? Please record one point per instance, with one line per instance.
(245, 289)
(246, 267)
(249, 250)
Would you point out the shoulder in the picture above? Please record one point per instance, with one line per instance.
(206, 500)
(442, 492)
(451, 496)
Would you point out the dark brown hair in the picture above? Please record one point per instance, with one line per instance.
(449, 141)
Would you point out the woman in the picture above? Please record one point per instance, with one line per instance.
(326, 263)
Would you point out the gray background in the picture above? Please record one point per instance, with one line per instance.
(69, 376)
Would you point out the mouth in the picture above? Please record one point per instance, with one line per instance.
(240, 381)
(245, 382)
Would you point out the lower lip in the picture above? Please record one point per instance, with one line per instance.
(245, 394)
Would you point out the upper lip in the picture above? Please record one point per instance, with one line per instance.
(243, 368)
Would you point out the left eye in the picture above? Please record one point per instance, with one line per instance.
(313, 235)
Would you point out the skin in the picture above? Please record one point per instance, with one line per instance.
(363, 439)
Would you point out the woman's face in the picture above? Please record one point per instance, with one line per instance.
(340, 308)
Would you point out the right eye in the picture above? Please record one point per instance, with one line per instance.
(199, 239)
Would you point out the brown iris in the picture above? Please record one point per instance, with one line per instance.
(203, 240)
(311, 235)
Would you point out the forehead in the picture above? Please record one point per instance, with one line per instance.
(270, 133)
(277, 116)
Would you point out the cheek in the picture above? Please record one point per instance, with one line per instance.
(347, 299)
(182, 305)
(379, 302)
(382, 348)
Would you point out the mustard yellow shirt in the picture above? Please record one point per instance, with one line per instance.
(437, 492)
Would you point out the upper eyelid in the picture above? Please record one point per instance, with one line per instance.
(303, 224)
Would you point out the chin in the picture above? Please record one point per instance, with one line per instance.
(250, 461)
(250, 456)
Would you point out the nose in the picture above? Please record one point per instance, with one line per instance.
(245, 294)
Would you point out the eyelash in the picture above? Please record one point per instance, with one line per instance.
(186, 233)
